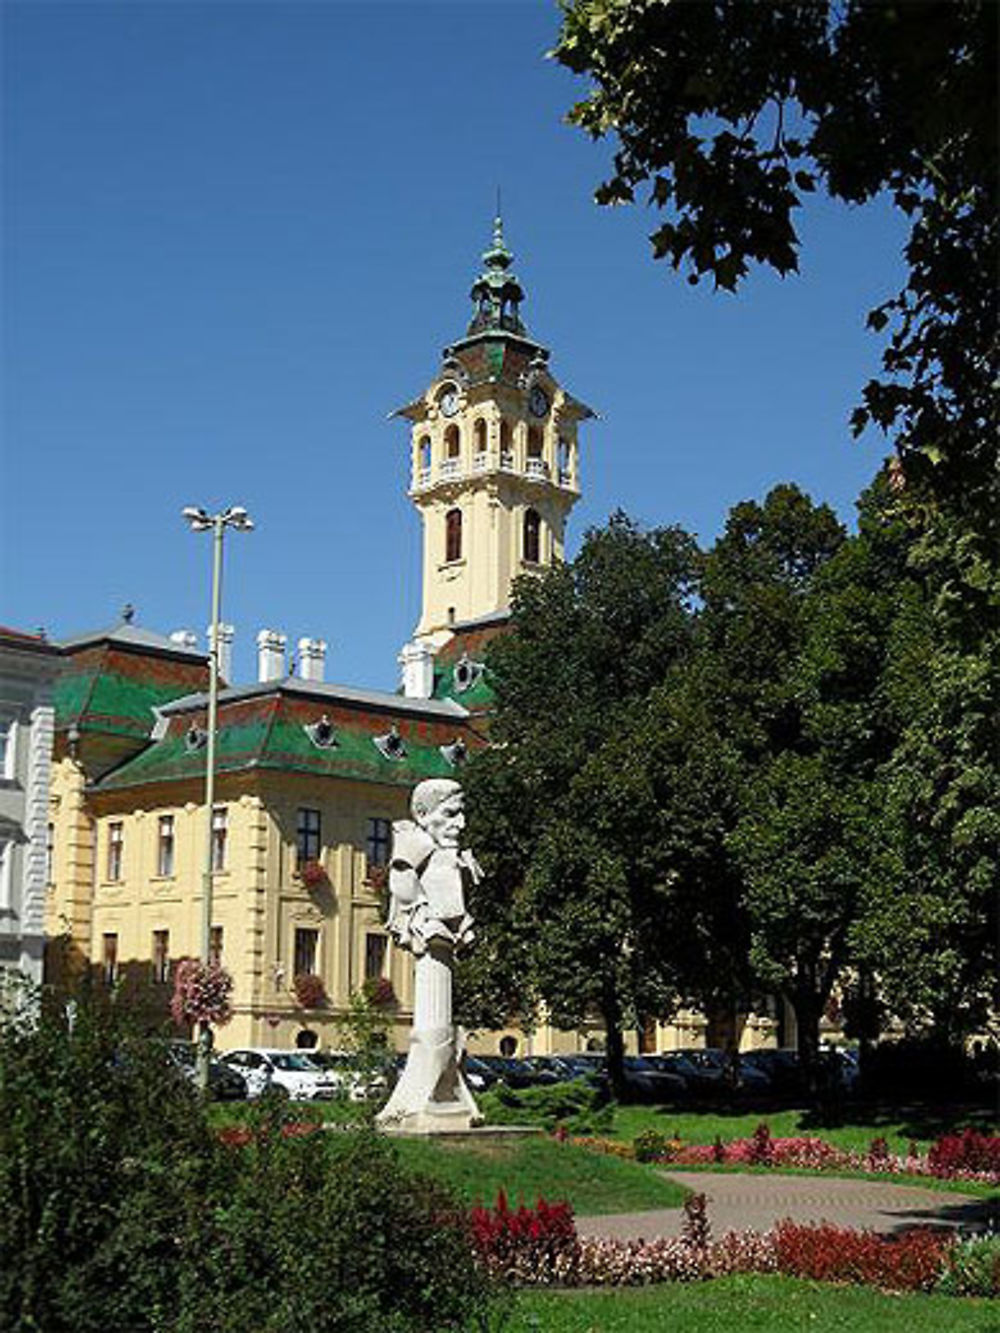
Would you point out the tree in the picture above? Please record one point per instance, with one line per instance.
(730, 112)
(557, 820)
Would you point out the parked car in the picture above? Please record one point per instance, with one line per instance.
(478, 1074)
(224, 1083)
(514, 1072)
(291, 1072)
(782, 1069)
(550, 1068)
(645, 1083)
(351, 1083)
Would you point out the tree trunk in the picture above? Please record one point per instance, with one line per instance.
(611, 1011)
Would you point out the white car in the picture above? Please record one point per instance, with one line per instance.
(291, 1071)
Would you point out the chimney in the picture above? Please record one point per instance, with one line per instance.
(225, 657)
(417, 662)
(185, 638)
(271, 654)
(312, 658)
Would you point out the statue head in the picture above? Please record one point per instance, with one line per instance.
(438, 806)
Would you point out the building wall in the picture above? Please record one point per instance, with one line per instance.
(26, 713)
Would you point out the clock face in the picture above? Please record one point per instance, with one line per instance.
(449, 402)
(538, 402)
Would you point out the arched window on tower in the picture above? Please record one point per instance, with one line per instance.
(479, 432)
(453, 534)
(452, 442)
(424, 460)
(534, 442)
(506, 445)
(532, 544)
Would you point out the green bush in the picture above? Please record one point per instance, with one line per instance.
(577, 1107)
(650, 1146)
(973, 1268)
(121, 1211)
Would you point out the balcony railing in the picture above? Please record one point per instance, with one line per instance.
(451, 469)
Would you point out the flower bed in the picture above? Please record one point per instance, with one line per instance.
(969, 1156)
(540, 1247)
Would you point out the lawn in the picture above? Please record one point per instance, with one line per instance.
(752, 1304)
(898, 1127)
(529, 1168)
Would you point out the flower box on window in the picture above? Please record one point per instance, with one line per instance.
(313, 875)
(309, 990)
(377, 877)
(379, 991)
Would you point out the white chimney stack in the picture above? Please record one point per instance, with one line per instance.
(185, 638)
(271, 645)
(312, 658)
(225, 655)
(417, 662)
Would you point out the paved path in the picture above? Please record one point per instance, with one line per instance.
(737, 1202)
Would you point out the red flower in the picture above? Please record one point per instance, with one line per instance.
(309, 990)
(201, 993)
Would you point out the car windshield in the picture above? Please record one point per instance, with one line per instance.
(295, 1061)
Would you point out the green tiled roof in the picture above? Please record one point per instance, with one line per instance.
(108, 701)
(273, 741)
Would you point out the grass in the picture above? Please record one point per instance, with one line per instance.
(529, 1168)
(751, 1304)
(898, 1127)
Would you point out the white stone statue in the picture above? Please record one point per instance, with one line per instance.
(428, 873)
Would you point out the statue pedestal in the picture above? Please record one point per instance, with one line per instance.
(431, 1096)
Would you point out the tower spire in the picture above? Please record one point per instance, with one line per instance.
(496, 293)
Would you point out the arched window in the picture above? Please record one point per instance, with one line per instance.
(534, 442)
(452, 442)
(532, 536)
(480, 436)
(424, 454)
(453, 534)
(506, 438)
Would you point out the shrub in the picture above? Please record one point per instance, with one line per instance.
(968, 1151)
(527, 1245)
(103, 1148)
(578, 1106)
(696, 1231)
(651, 1146)
(911, 1262)
(972, 1268)
(121, 1212)
(761, 1149)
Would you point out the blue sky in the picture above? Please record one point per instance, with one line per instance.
(236, 236)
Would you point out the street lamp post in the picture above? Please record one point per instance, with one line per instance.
(233, 517)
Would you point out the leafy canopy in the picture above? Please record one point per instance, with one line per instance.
(728, 113)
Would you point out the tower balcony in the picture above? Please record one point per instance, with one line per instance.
(450, 470)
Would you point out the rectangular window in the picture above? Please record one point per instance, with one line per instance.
(377, 842)
(374, 956)
(50, 853)
(165, 847)
(7, 729)
(220, 831)
(109, 960)
(161, 955)
(116, 850)
(307, 836)
(306, 951)
(215, 946)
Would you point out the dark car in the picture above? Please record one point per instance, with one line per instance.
(549, 1069)
(645, 1083)
(781, 1068)
(225, 1084)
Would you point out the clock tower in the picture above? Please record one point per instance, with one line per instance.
(494, 459)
